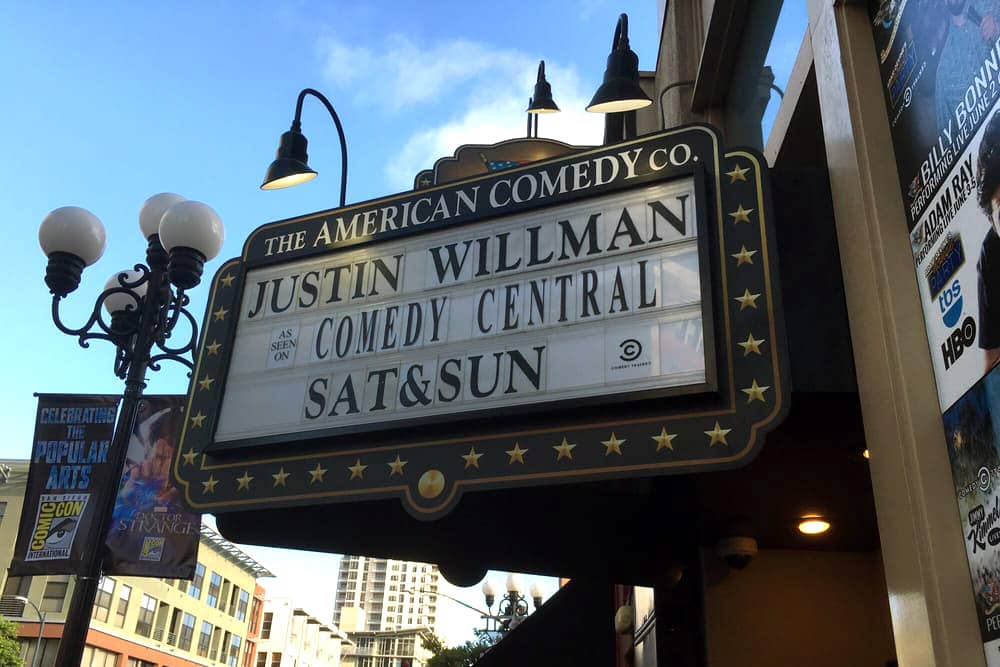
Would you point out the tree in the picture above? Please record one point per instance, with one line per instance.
(465, 655)
(10, 647)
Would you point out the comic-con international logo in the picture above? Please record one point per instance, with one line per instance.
(55, 528)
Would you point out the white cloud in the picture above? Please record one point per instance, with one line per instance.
(476, 92)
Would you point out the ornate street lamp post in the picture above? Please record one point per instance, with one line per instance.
(144, 304)
(512, 609)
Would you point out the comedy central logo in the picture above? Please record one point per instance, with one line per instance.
(630, 348)
(56, 524)
(631, 355)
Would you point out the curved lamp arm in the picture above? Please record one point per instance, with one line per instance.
(297, 126)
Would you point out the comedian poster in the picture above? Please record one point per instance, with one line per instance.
(153, 534)
(68, 475)
(972, 427)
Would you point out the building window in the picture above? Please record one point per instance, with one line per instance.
(205, 638)
(405, 646)
(254, 616)
(147, 608)
(262, 659)
(98, 657)
(234, 651)
(241, 606)
(102, 601)
(265, 627)
(17, 586)
(386, 646)
(213, 590)
(124, 593)
(224, 598)
(199, 578)
(275, 660)
(55, 593)
(182, 584)
(187, 632)
(3, 510)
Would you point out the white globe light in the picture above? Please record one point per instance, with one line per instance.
(152, 212)
(191, 224)
(73, 230)
(120, 300)
(513, 583)
(488, 589)
(536, 591)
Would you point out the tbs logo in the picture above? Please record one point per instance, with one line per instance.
(950, 304)
(956, 343)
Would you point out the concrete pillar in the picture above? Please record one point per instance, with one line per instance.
(926, 571)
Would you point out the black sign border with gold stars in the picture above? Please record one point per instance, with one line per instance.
(429, 474)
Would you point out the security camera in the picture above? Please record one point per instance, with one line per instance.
(737, 551)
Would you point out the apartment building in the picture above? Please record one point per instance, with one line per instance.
(393, 594)
(388, 648)
(139, 622)
(292, 637)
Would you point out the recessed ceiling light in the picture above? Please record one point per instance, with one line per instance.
(813, 525)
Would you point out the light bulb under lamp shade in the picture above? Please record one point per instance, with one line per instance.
(152, 212)
(75, 231)
(191, 224)
(291, 163)
(620, 89)
(121, 301)
(813, 525)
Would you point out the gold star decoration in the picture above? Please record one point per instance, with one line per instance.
(744, 256)
(190, 457)
(748, 300)
(741, 215)
(664, 440)
(424, 182)
(516, 454)
(220, 314)
(471, 459)
(206, 383)
(755, 392)
(227, 280)
(737, 174)
(280, 477)
(751, 344)
(357, 470)
(718, 434)
(209, 484)
(213, 347)
(244, 481)
(613, 445)
(198, 420)
(396, 467)
(316, 474)
(564, 450)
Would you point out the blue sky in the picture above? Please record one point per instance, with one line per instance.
(105, 104)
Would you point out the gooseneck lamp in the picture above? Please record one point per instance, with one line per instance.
(145, 304)
(291, 162)
(620, 90)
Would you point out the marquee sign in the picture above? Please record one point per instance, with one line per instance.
(611, 312)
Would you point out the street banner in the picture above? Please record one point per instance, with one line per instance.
(68, 475)
(940, 66)
(153, 533)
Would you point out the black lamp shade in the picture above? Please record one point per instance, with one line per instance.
(620, 90)
(290, 166)
(541, 101)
